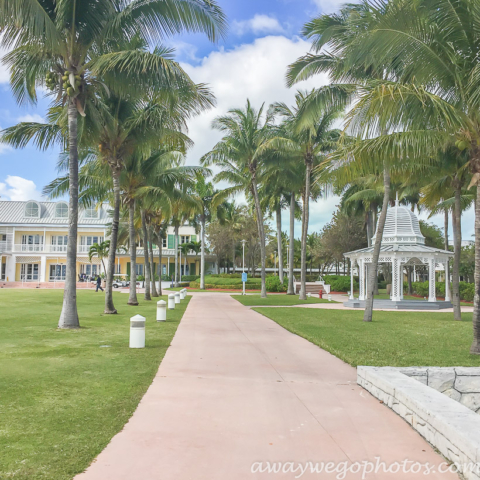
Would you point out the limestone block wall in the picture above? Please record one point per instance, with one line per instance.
(459, 383)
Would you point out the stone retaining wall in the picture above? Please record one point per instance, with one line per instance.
(459, 383)
(448, 425)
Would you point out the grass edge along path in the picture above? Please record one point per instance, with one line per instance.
(276, 299)
(66, 393)
(396, 339)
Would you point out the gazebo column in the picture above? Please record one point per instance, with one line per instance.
(447, 281)
(361, 279)
(396, 274)
(352, 263)
(431, 280)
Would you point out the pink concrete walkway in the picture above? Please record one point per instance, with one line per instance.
(234, 389)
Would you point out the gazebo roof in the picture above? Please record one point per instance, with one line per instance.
(409, 249)
(401, 234)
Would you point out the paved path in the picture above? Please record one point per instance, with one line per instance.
(234, 389)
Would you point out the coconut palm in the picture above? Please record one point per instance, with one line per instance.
(311, 137)
(99, 250)
(240, 156)
(430, 95)
(63, 44)
(208, 201)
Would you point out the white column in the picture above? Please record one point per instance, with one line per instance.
(361, 279)
(431, 280)
(10, 269)
(447, 281)
(351, 279)
(401, 282)
(43, 267)
(396, 273)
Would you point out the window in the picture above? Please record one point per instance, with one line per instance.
(90, 270)
(184, 239)
(59, 243)
(61, 210)
(91, 212)
(32, 243)
(164, 243)
(91, 240)
(140, 269)
(3, 237)
(58, 272)
(32, 210)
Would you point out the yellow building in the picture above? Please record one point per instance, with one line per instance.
(33, 244)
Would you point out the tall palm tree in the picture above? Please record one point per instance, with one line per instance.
(63, 45)
(311, 137)
(429, 96)
(208, 201)
(239, 154)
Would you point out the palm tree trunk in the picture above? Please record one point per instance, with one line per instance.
(177, 277)
(476, 298)
(261, 234)
(457, 251)
(132, 297)
(291, 290)
(69, 315)
(279, 242)
(160, 247)
(146, 260)
(109, 306)
(202, 254)
(152, 262)
(372, 272)
(233, 256)
(305, 213)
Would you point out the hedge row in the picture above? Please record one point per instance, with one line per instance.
(236, 286)
(467, 290)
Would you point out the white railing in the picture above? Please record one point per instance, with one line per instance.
(56, 248)
(37, 247)
(3, 246)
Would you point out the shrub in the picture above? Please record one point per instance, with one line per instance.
(190, 278)
(273, 284)
(140, 278)
(342, 284)
(467, 291)
(166, 278)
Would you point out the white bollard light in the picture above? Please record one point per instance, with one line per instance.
(183, 294)
(309, 294)
(171, 301)
(177, 297)
(161, 311)
(329, 298)
(137, 332)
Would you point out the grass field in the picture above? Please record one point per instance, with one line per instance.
(393, 338)
(275, 299)
(64, 394)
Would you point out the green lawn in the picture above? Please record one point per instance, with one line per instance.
(62, 395)
(275, 299)
(393, 338)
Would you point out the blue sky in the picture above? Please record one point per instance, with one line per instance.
(263, 38)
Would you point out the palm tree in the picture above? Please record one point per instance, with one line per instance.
(208, 202)
(185, 248)
(231, 215)
(429, 95)
(99, 250)
(310, 138)
(239, 155)
(63, 45)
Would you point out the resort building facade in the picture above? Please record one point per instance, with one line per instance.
(34, 238)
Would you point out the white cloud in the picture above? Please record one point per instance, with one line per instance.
(259, 24)
(31, 118)
(330, 6)
(255, 71)
(19, 189)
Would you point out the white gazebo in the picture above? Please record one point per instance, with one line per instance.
(402, 245)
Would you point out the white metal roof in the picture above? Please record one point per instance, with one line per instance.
(13, 213)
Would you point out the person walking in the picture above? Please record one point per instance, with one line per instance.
(99, 283)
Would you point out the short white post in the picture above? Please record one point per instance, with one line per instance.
(183, 293)
(447, 281)
(171, 301)
(161, 311)
(329, 297)
(177, 297)
(137, 332)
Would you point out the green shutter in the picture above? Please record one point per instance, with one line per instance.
(192, 269)
(128, 269)
(193, 238)
(171, 241)
(171, 269)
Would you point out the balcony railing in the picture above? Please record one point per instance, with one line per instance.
(84, 249)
